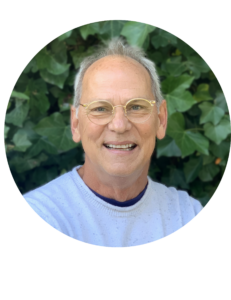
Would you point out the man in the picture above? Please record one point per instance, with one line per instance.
(118, 112)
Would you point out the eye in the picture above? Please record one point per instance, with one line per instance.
(136, 107)
(99, 109)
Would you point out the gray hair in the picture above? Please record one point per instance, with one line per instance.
(117, 46)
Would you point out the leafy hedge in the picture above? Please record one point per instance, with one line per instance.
(193, 154)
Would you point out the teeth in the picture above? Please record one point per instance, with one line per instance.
(126, 147)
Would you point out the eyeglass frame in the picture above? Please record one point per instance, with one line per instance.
(151, 102)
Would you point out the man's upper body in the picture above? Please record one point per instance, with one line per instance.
(118, 113)
(68, 205)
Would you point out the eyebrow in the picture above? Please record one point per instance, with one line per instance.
(109, 100)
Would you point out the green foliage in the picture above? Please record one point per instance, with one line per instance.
(192, 156)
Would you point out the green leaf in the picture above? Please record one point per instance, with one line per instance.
(192, 168)
(6, 129)
(192, 141)
(78, 56)
(197, 65)
(175, 177)
(221, 150)
(21, 141)
(18, 115)
(167, 147)
(41, 102)
(65, 35)
(221, 102)
(163, 38)
(175, 84)
(217, 133)
(208, 172)
(59, 51)
(184, 48)
(87, 30)
(210, 113)
(31, 66)
(19, 95)
(58, 80)
(37, 86)
(136, 33)
(186, 140)
(202, 93)
(42, 144)
(22, 164)
(54, 128)
(177, 98)
(208, 159)
(111, 29)
(179, 101)
(174, 66)
(9, 104)
(46, 61)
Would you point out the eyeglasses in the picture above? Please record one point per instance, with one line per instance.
(102, 112)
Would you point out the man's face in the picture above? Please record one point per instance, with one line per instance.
(117, 80)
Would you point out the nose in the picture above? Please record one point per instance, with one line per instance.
(119, 119)
(119, 112)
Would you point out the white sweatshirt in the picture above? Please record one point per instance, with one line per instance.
(68, 205)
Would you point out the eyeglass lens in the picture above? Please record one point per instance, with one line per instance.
(101, 112)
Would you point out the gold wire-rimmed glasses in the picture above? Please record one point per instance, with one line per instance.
(101, 112)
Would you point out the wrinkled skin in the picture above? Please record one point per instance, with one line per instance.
(120, 175)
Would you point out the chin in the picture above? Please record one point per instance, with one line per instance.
(120, 171)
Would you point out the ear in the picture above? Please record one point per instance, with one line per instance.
(162, 120)
(75, 125)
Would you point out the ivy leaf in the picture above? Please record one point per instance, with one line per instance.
(197, 65)
(46, 61)
(177, 98)
(37, 86)
(175, 84)
(192, 168)
(54, 128)
(31, 66)
(202, 93)
(22, 164)
(221, 102)
(78, 56)
(42, 144)
(18, 115)
(21, 141)
(221, 150)
(9, 104)
(179, 101)
(163, 38)
(208, 159)
(167, 147)
(6, 129)
(175, 177)
(186, 140)
(65, 36)
(184, 48)
(87, 29)
(111, 29)
(217, 133)
(41, 102)
(174, 66)
(208, 172)
(59, 51)
(210, 113)
(19, 95)
(136, 33)
(58, 80)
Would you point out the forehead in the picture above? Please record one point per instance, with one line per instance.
(113, 74)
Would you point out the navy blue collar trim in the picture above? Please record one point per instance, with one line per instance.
(122, 204)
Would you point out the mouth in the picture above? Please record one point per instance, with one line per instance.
(125, 147)
(121, 151)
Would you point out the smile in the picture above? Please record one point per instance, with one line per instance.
(127, 147)
(127, 151)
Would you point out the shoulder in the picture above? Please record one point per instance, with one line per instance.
(177, 200)
(53, 201)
